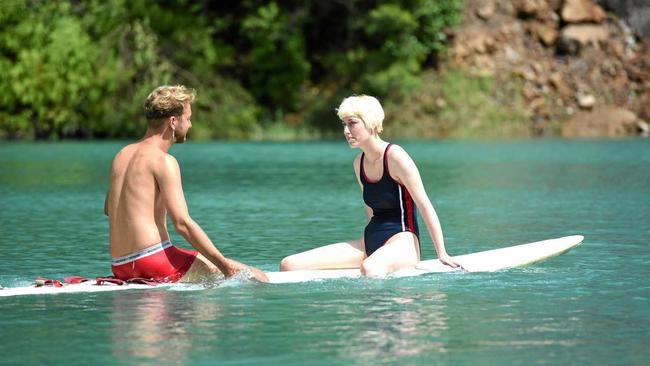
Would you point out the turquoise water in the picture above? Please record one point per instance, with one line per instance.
(261, 202)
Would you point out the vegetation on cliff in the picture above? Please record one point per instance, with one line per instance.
(277, 69)
(82, 69)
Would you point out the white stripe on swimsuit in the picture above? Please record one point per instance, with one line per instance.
(141, 254)
(401, 206)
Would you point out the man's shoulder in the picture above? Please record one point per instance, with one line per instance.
(148, 151)
(162, 161)
(145, 155)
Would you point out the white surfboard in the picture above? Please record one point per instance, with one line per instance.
(486, 261)
(89, 286)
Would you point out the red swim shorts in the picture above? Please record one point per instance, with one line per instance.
(162, 262)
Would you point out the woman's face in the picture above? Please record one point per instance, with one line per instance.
(355, 131)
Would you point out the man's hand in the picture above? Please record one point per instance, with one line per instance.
(259, 275)
(233, 267)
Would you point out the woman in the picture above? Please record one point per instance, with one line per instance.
(392, 188)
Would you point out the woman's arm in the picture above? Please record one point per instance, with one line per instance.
(357, 171)
(405, 172)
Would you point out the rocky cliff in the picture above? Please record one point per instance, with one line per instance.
(635, 12)
(581, 67)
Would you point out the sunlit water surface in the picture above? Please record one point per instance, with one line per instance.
(261, 202)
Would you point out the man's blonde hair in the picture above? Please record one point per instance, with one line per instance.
(166, 101)
(365, 107)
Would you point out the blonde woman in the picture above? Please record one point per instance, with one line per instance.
(393, 193)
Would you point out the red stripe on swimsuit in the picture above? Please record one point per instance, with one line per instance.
(409, 210)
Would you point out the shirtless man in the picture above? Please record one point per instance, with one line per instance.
(145, 184)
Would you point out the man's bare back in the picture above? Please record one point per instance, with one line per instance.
(145, 187)
(137, 212)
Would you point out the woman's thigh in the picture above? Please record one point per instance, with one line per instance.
(401, 251)
(347, 254)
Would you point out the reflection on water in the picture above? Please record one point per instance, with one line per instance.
(399, 326)
(159, 326)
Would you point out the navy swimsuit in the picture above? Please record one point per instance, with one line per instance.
(393, 208)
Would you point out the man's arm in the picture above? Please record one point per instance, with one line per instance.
(168, 176)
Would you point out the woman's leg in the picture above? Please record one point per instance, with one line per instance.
(348, 254)
(401, 251)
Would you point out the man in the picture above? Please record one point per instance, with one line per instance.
(145, 185)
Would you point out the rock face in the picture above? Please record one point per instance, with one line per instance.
(586, 34)
(577, 11)
(604, 122)
(573, 59)
(635, 12)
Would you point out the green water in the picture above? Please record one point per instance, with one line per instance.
(260, 202)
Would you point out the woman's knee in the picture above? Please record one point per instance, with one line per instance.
(370, 268)
(289, 263)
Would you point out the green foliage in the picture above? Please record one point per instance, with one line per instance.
(434, 17)
(396, 62)
(224, 110)
(400, 35)
(84, 68)
(276, 62)
(48, 65)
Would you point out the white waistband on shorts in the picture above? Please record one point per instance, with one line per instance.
(141, 254)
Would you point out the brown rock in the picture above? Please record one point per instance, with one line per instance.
(586, 101)
(643, 128)
(585, 34)
(525, 72)
(544, 33)
(636, 73)
(618, 49)
(609, 67)
(460, 50)
(474, 43)
(644, 113)
(525, 8)
(539, 106)
(554, 4)
(530, 92)
(605, 121)
(486, 11)
(531, 8)
(559, 84)
(510, 54)
(577, 11)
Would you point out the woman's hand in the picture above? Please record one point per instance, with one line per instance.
(446, 259)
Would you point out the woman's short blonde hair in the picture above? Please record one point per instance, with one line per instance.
(166, 101)
(365, 107)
